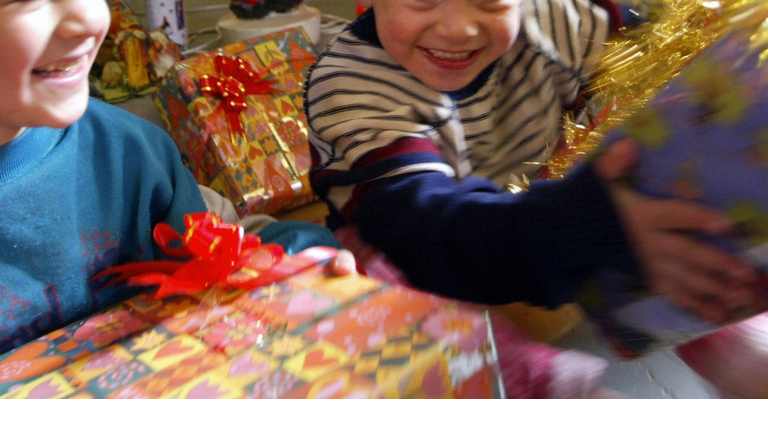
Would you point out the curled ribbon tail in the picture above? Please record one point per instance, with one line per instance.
(164, 236)
(167, 285)
(131, 270)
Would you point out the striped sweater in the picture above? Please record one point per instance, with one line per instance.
(420, 171)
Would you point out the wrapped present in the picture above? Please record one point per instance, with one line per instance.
(237, 117)
(307, 336)
(240, 319)
(702, 138)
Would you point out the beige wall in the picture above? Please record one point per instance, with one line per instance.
(342, 8)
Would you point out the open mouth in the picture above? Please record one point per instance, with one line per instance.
(449, 56)
(57, 69)
(451, 60)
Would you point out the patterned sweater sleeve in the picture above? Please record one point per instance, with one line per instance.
(571, 33)
(368, 119)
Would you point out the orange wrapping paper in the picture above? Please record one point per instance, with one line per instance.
(309, 336)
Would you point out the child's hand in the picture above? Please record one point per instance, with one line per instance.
(693, 274)
(344, 263)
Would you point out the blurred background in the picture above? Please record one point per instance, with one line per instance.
(203, 14)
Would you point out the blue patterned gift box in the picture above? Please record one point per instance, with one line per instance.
(703, 138)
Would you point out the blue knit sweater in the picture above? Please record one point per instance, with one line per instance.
(76, 201)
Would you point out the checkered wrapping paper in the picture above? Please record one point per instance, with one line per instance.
(309, 336)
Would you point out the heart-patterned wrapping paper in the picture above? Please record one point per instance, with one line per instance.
(309, 336)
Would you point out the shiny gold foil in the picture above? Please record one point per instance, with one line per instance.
(638, 63)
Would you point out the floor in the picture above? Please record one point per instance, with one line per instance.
(661, 375)
(658, 376)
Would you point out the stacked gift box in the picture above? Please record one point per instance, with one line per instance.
(237, 116)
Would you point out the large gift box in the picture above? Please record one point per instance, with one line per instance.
(310, 335)
(237, 117)
(704, 137)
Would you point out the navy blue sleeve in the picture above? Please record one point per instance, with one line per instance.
(472, 241)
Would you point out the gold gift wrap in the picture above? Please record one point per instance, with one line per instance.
(247, 137)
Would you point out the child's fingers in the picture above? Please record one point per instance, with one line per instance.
(701, 258)
(700, 277)
(617, 161)
(344, 263)
(690, 272)
(672, 214)
(704, 294)
(708, 268)
(692, 217)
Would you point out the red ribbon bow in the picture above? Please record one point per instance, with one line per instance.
(222, 256)
(239, 79)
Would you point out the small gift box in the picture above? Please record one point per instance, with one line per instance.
(704, 138)
(237, 117)
(303, 335)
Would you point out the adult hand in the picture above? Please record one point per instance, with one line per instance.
(698, 276)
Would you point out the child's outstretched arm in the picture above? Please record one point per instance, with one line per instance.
(691, 273)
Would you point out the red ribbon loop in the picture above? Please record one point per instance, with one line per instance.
(221, 255)
(238, 79)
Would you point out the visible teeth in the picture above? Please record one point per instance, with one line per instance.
(450, 56)
(60, 67)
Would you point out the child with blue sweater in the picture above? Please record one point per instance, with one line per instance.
(83, 183)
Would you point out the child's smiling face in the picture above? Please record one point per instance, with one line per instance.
(47, 49)
(447, 43)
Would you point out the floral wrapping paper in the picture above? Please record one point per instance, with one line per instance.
(309, 336)
(261, 163)
(703, 138)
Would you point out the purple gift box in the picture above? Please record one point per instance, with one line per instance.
(704, 138)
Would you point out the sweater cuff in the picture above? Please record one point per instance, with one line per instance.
(582, 237)
(472, 241)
